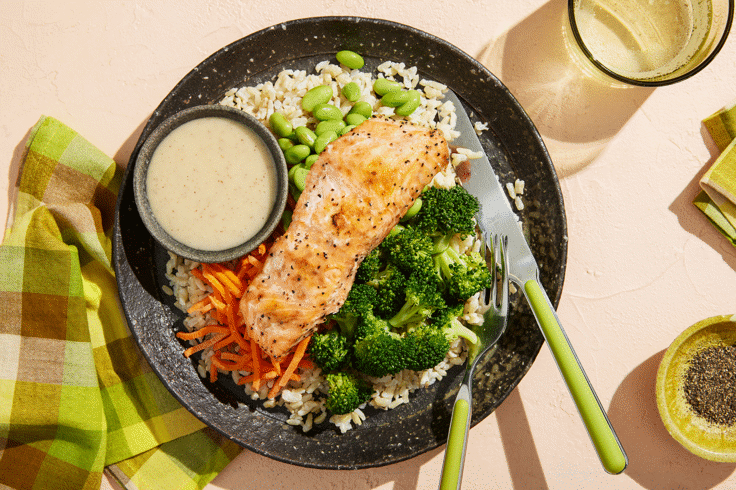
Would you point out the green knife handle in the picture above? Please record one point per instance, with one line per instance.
(601, 432)
(457, 440)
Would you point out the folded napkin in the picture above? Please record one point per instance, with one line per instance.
(76, 396)
(718, 197)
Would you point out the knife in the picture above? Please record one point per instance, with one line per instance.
(497, 217)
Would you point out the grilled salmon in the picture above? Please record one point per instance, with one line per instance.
(356, 192)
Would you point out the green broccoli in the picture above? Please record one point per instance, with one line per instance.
(390, 284)
(378, 350)
(427, 344)
(360, 300)
(346, 392)
(409, 250)
(446, 212)
(423, 297)
(330, 350)
(462, 275)
(369, 267)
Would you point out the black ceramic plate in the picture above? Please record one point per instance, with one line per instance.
(515, 150)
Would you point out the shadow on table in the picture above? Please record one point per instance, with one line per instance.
(656, 460)
(518, 444)
(576, 113)
(695, 222)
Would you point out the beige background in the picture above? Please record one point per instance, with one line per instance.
(643, 264)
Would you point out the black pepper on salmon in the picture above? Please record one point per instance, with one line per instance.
(355, 193)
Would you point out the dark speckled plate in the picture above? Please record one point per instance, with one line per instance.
(515, 150)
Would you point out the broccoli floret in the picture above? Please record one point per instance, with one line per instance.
(346, 392)
(379, 351)
(369, 267)
(360, 300)
(427, 345)
(423, 297)
(390, 284)
(463, 275)
(446, 211)
(409, 250)
(329, 350)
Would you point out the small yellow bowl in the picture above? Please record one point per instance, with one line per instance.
(699, 436)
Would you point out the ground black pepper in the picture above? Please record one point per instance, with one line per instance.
(710, 384)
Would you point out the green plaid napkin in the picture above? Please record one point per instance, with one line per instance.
(76, 396)
(718, 197)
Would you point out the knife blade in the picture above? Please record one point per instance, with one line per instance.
(497, 217)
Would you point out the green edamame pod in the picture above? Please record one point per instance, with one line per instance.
(325, 112)
(410, 105)
(382, 86)
(305, 135)
(300, 178)
(285, 143)
(280, 125)
(354, 119)
(351, 91)
(351, 59)
(395, 98)
(346, 129)
(309, 161)
(321, 94)
(329, 125)
(363, 108)
(323, 140)
(297, 153)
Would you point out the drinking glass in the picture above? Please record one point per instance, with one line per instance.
(648, 42)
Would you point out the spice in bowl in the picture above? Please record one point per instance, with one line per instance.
(710, 384)
(696, 389)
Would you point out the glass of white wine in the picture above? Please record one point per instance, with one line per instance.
(647, 42)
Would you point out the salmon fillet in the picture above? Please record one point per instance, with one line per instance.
(356, 192)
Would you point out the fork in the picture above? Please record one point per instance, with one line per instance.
(494, 325)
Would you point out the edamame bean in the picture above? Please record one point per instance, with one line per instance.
(395, 98)
(351, 59)
(297, 153)
(324, 112)
(330, 125)
(305, 135)
(323, 140)
(382, 86)
(410, 105)
(354, 119)
(309, 161)
(315, 96)
(286, 218)
(285, 143)
(346, 129)
(351, 91)
(280, 125)
(363, 108)
(413, 210)
(300, 178)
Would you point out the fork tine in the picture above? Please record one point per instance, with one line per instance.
(504, 276)
(494, 272)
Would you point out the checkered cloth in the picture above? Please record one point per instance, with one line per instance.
(717, 200)
(76, 396)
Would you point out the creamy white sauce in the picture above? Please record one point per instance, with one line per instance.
(211, 183)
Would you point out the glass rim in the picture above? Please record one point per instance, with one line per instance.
(649, 83)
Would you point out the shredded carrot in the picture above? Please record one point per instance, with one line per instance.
(233, 348)
(301, 348)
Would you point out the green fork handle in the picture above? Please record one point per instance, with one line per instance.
(601, 432)
(457, 440)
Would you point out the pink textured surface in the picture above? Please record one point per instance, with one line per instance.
(643, 264)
